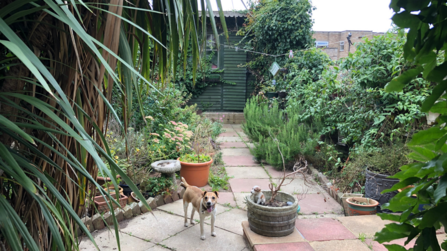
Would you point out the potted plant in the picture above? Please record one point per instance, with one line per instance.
(101, 203)
(380, 165)
(277, 217)
(270, 92)
(195, 166)
(362, 206)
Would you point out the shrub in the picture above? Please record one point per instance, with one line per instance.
(295, 137)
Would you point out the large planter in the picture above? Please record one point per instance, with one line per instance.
(374, 185)
(272, 221)
(126, 188)
(196, 174)
(101, 204)
(355, 209)
(271, 95)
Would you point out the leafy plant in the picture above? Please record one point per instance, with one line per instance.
(195, 158)
(154, 186)
(219, 181)
(426, 48)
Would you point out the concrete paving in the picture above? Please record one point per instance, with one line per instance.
(320, 224)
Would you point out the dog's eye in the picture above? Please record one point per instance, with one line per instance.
(206, 198)
(214, 198)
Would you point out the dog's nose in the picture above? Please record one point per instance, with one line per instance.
(208, 203)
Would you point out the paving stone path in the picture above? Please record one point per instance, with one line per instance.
(321, 224)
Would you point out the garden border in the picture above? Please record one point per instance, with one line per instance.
(327, 186)
(98, 221)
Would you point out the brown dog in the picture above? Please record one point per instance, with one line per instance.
(203, 202)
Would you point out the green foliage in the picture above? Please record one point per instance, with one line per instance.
(425, 47)
(219, 181)
(194, 158)
(154, 186)
(276, 27)
(361, 115)
(296, 138)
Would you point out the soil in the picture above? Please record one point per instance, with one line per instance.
(276, 203)
(215, 170)
(359, 202)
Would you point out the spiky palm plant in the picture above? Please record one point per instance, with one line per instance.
(59, 61)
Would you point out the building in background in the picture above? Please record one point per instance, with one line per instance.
(336, 44)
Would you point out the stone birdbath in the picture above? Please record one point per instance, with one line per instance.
(168, 167)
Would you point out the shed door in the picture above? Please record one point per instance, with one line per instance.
(234, 96)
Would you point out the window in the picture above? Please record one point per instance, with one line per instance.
(321, 44)
(342, 45)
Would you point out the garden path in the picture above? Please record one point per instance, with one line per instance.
(321, 224)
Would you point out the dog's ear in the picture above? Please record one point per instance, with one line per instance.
(217, 194)
(204, 193)
(258, 189)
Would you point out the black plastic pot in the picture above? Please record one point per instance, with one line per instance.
(126, 189)
(376, 183)
(282, 94)
(272, 95)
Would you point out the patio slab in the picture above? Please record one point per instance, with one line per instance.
(240, 197)
(231, 220)
(225, 145)
(341, 245)
(143, 226)
(231, 133)
(245, 160)
(366, 224)
(316, 204)
(106, 240)
(245, 185)
(158, 248)
(190, 240)
(323, 229)
(236, 152)
(301, 246)
(256, 239)
(230, 139)
(226, 198)
(247, 172)
(298, 186)
(275, 173)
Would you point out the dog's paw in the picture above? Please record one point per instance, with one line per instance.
(213, 234)
(186, 224)
(203, 237)
(192, 223)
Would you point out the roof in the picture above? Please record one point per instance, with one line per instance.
(226, 14)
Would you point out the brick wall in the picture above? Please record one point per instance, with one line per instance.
(335, 37)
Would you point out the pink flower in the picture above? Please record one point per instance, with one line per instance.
(167, 135)
(178, 143)
(173, 122)
(180, 138)
(156, 140)
(155, 134)
(223, 116)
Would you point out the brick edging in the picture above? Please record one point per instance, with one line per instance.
(331, 189)
(98, 222)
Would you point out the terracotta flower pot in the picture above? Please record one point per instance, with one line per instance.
(132, 198)
(102, 180)
(356, 209)
(196, 174)
(101, 204)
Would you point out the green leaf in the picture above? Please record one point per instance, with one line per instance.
(433, 215)
(406, 20)
(421, 153)
(398, 83)
(402, 184)
(394, 247)
(13, 127)
(393, 231)
(440, 191)
(427, 136)
(440, 107)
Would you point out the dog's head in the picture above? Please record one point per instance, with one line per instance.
(210, 200)
(255, 190)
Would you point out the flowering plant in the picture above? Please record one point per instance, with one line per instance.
(173, 142)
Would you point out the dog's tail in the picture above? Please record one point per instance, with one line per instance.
(184, 183)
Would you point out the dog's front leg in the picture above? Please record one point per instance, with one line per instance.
(213, 219)
(202, 232)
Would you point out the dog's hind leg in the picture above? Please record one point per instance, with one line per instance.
(192, 215)
(185, 208)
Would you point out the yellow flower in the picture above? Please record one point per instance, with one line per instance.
(116, 157)
(138, 150)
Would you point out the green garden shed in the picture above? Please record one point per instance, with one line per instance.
(229, 58)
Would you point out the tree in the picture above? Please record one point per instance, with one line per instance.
(59, 61)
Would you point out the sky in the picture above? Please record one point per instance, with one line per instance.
(340, 15)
